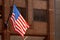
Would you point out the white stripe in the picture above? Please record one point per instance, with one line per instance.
(20, 29)
(22, 18)
(13, 22)
(17, 24)
(13, 14)
(19, 32)
(21, 24)
(12, 18)
(24, 21)
(21, 21)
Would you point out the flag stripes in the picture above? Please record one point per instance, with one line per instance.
(19, 25)
(24, 22)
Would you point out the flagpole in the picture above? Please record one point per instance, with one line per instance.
(13, 2)
(6, 32)
(25, 37)
(6, 22)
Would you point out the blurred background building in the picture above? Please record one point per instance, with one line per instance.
(43, 17)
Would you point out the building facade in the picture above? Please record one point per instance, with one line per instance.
(38, 13)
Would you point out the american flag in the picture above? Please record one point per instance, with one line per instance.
(19, 23)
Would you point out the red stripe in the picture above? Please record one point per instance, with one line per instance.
(23, 20)
(12, 20)
(21, 26)
(13, 15)
(20, 29)
(22, 23)
(18, 26)
(17, 30)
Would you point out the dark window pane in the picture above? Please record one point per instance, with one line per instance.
(0, 11)
(0, 15)
(22, 11)
(40, 15)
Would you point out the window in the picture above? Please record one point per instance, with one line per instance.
(28, 38)
(0, 11)
(40, 15)
(22, 11)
